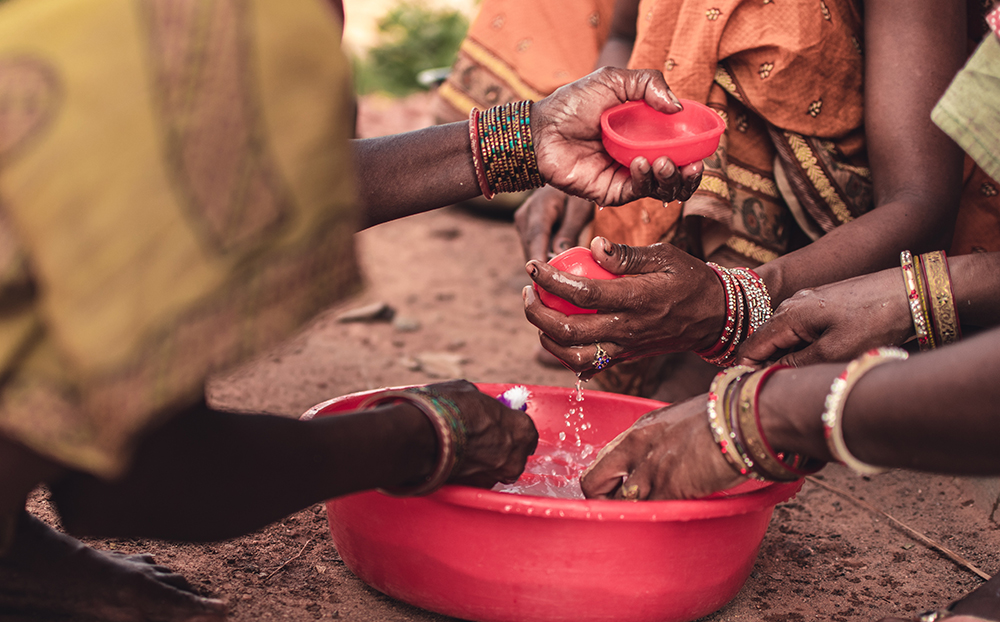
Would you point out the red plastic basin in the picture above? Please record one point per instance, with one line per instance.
(635, 129)
(579, 261)
(497, 557)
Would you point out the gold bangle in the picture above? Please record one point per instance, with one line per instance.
(944, 314)
(768, 464)
(718, 422)
(833, 414)
(918, 308)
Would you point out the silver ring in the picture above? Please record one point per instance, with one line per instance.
(601, 358)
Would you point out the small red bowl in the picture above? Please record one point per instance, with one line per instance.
(579, 261)
(498, 557)
(635, 129)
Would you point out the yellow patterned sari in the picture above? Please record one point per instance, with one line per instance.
(175, 194)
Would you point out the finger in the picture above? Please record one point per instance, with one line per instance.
(769, 342)
(635, 487)
(603, 478)
(668, 179)
(691, 179)
(625, 259)
(583, 359)
(578, 214)
(649, 85)
(535, 220)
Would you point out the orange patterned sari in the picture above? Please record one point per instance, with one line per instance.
(788, 80)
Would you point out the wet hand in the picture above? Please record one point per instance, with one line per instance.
(566, 129)
(674, 302)
(550, 221)
(835, 322)
(498, 439)
(666, 454)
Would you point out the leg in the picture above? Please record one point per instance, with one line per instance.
(46, 575)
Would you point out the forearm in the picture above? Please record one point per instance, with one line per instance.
(207, 475)
(410, 173)
(870, 243)
(935, 412)
(975, 281)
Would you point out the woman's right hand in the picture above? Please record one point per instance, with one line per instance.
(498, 439)
(835, 322)
(550, 221)
(669, 302)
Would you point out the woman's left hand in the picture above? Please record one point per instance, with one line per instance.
(666, 454)
(566, 130)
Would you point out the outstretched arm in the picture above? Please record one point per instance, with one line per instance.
(935, 412)
(410, 173)
(840, 321)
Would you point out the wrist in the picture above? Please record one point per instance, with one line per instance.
(791, 409)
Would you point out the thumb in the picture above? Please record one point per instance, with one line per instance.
(625, 259)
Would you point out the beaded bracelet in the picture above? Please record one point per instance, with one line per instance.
(757, 297)
(917, 302)
(718, 422)
(448, 426)
(728, 285)
(747, 303)
(833, 414)
(943, 312)
(503, 151)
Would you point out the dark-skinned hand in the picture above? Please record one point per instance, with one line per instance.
(550, 221)
(566, 129)
(667, 454)
(835, 322)
(498, 439)
(673, 302)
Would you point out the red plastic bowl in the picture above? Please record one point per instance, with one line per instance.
(635, 129)
(497, 557)
(579, 261)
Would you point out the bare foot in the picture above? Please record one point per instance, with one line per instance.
(48, 575)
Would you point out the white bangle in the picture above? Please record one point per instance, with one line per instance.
(833, 414)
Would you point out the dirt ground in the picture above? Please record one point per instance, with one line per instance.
(454, 279)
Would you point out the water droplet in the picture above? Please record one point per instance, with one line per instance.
(508, 508)
(548, 512)
(562, 436)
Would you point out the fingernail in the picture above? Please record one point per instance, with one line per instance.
(564, 245)
(532, 268)
(674, 99)
(606, 246)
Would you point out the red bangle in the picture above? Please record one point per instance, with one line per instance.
(477, 155)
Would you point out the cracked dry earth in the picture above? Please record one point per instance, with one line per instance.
(454, 279)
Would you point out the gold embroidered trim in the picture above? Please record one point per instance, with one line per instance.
(456, 98)
(718, 187)
(860, 171)
(752, 180)
(810, 164)
(723, 79)
(749, 249)
(482, 56)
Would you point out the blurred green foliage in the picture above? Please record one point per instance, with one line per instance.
(413, 38)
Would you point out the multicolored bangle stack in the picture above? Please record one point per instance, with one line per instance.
(833, 413)
(503, 152)
(448, 426)
(748, 305)
(932, 302)
(734, 420)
